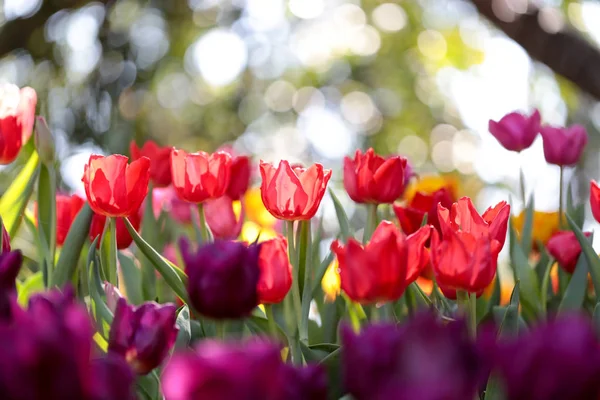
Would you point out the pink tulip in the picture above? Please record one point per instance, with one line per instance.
(515, 131)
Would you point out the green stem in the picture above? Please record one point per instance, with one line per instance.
(467, 306)
(356, 314)
(522, 187)
(112, 264)
(205, 235)
(371, 222)
(304, 276)
(220, 327)
(544, 289)
(560, 198)
(376, 314)
(295, 283)
(271, 318)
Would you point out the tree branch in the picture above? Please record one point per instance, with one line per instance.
(566, 53)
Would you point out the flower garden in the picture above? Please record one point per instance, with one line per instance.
(180, 276)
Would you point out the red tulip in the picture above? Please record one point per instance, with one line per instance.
(370, 178)
(240, 177)
(466, 258)
(67, 208)
(381, 270)
(160, 161)
(113, 188)
(293, 193)
(411, 216)
(200, 176)
(563, 146)
(124, 239)
(595, 200)
(275, 271)
(17, 116)
(221, 218)
(565, 249)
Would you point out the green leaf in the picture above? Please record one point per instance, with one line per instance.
(32, 285)
(527, 231)
(148, 386)
(496, 295)
(332, 364)
(131, 279)
(170, 275)
(529, 288)
(46, 205)
(508, 317)
(494, 389)
(16, 197)
(593, 261)
(318, 352)
(343, 221)
(260, 325)
(596, 317)
(575, 292)
(102, 313)
(184, 336)
(71, 250)
(577, 212)
(151, 233)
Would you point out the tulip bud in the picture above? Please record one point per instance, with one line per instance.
(10, 265)
(44, 141)
(563, 146)
(222, 219)
(222, 278)
(143, 335)
(565, 249)
(515, 131)
(275, 271)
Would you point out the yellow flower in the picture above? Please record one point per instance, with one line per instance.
(251, 231)
(255, 209)
(431, 183)
(545, 224)
(331, 282)
(506, 290)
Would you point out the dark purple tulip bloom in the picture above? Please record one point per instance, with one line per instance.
(10, 265)
(557, 360)
(222, 278)
(422, 359)
(563, 146)
(301, 383)
(223, 371)
(45, 353)
(143, 335)
(5, 240)
(113, 379)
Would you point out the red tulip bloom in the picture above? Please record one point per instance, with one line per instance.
(67, 208)
(240, 177)
(595, 200)
(124, 239)
(200, 176)
(466, 258)
(160, 161)
(275, 271)
(565, 249)
(221, 219)
(293, 193)
(17, 116)
(411, 216)
(370, 178)
(113, 188)
(381, 270)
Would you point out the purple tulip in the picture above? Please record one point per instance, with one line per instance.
(10, 265)
(422, 359)
(515, 131)
(5, 240)
(143, 335)
(113, 379)
(222, 278)
(564, 146)
(557, 360)
(301, 383)
(223, 371)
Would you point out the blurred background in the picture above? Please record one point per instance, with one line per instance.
(312, 80)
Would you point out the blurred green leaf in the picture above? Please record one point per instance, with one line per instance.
(184, 336)
(33, 284)
(343, 222)
(577, 288)
(151, 233)
(72, 247)
(131, 279)
(527, 232)
(529, 288)
(593, 261)
(14, 200)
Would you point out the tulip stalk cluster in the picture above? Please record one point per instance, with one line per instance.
(175, 278)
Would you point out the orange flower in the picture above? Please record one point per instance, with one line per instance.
(430, 184)
(545, 224)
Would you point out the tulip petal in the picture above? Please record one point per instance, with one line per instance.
(415, 247)
(595, 200)
(137, 177)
